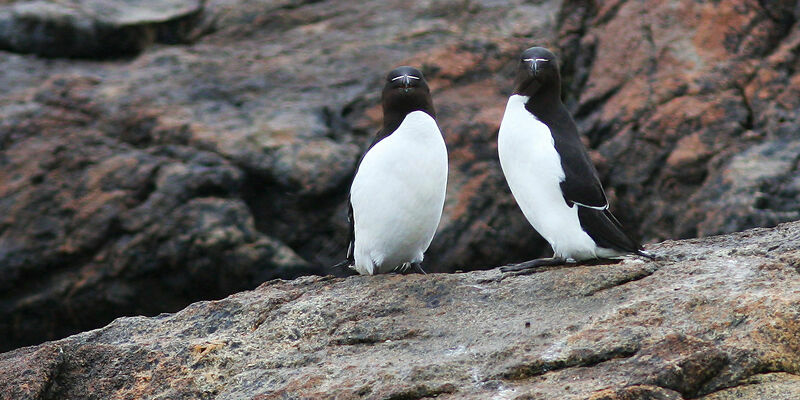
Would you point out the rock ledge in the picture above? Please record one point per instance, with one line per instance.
(715, 318)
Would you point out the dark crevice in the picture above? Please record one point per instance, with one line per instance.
(183, 30)
(298, 220)
(578, 358)
(691, 384)
(784, 19)
(609, 14)
(297, 4)
(338, 127)
(373, 338)
(422, 392)
(638, 275)
(749, 122)
(58, 264)
(88, 37)
(742, 381)
(52, 385)
(578, 55)
(147, 189)
(651, 69)
(590, 105)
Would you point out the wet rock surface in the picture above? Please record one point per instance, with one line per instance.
(714, 318)
(217, 152)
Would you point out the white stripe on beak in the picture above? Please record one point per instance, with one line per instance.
(406, 78)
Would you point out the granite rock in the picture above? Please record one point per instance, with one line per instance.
(250, 117)
(713, 318)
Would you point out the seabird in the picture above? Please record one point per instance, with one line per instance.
(398, 191)
(550, 173)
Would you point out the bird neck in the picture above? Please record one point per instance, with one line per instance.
(394, 116)
(547, 100)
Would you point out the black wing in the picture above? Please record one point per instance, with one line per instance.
(606, 231)
(582, 186)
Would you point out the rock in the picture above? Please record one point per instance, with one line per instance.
(713, 318)
(128, 184)
(683, 116)
(95, 28)
(94, 227)
(778, 385)
(255, 120)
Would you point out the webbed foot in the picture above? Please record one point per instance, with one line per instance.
(533, 264)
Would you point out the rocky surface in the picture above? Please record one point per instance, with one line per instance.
(712, 319)
(193, 170)
(95, 28)
(705, 107)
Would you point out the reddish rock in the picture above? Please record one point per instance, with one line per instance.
(248, 136)
(684, 107)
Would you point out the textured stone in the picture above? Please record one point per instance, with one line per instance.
(94, 226)
(95, 28)
(778, 385)
(713, 318)
(254, 122)
(682, 98)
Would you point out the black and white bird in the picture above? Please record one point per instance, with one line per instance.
(398, 191)
(550, 173)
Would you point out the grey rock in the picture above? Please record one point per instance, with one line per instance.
(256, 120)
(93, 226)
(712, 319)
(94, 28)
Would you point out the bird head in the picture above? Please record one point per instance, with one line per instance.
(537, 67)
(406, 90)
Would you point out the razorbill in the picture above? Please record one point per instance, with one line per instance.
(397, 194)
(550, 173)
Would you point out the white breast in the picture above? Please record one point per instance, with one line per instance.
(533, 171)
(398, 196)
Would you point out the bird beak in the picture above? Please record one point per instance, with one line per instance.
(535, 63)
(406, 81)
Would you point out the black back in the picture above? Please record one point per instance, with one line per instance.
(404, 91)
(538, 77)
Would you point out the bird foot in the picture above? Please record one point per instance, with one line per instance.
(410, 268)
(418, 267)
(530, 266)
(343, 269)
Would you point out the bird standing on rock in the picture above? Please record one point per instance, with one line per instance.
(550, 173)
(398, 191)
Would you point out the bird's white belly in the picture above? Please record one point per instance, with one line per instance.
(398, 196)
(532, 168)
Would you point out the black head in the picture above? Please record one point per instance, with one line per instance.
(537, 72)
(405, 91)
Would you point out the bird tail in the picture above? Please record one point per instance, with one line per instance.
(342, 266)
(639, 250)
(607, 231)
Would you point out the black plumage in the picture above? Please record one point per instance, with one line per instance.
(538, 78)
